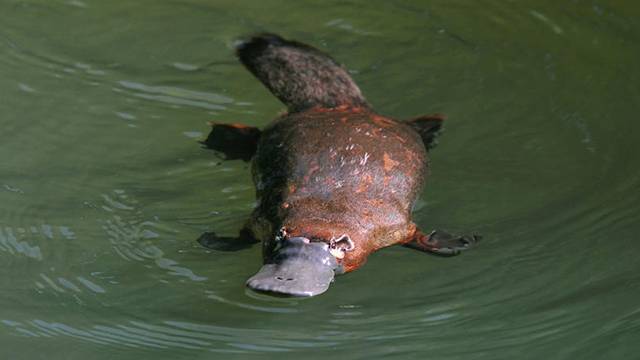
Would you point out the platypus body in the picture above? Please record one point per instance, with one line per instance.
(335, 181)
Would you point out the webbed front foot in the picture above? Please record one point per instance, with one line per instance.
(235, 141)
(442, 243)
(211, 240)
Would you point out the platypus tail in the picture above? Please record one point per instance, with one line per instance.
(300, 76)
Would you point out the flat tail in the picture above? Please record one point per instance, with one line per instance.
(299, 75)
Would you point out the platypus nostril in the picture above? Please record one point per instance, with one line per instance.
(283, 279)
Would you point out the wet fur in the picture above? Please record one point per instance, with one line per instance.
(300, 76)
(331, 166)
(324, 173)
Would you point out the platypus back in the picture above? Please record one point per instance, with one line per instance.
(300, 76)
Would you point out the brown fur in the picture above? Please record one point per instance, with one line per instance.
(321, 179)
(300, 76)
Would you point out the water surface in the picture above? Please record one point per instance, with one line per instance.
(104, 187)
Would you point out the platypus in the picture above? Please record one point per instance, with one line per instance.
(335, 181)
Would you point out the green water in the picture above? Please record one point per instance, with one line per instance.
(104, 188)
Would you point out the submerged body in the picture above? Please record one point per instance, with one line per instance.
(335, 181)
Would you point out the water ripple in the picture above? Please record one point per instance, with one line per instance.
(261, 308)
(133, 237)
(175, 334)
(177, 96)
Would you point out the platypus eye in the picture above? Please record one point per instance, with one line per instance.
(281, 234)
(343, 243)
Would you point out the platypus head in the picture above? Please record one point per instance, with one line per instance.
(298, 266)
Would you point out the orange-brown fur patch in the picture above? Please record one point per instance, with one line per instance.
(389, 163)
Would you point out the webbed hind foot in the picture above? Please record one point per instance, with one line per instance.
(442, 243)
(428, 127)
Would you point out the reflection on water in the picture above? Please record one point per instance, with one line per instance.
(104, 188)
(9, 243)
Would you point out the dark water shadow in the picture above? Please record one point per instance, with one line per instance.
(212, 241)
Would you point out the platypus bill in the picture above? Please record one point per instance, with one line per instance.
(335, 181)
